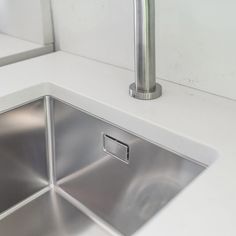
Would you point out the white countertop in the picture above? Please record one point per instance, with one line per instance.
(13, 49)
(191, 122)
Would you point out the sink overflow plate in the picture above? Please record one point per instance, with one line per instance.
(116, 148)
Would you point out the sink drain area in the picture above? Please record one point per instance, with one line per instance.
(65, 172)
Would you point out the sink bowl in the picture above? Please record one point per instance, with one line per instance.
(65, 172)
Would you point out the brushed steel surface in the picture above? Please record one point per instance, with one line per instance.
(78, 139)
(124, 195)
(145, 86)
(23, 162)
(49, 215)
(108, 181)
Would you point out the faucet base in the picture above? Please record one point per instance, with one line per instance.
(133, 92)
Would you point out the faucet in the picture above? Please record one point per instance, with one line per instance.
(145, 86)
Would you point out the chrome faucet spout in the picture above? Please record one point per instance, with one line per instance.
(145, 86)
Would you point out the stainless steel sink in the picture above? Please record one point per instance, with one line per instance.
(64, 172)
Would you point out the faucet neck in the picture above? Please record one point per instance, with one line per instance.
(145, 58)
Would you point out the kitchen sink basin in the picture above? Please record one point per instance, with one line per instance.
(65, 172)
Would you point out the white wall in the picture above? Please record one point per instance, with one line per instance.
(196, 39)
(27, 19)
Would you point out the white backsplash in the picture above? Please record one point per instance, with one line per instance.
(27, 19)
(196, 39)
